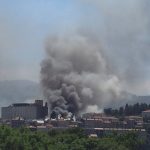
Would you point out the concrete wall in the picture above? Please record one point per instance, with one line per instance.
(27, 112)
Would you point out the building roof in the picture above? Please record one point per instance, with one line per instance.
(133, 117)
(146, 110)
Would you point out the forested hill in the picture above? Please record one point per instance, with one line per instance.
(128, 110)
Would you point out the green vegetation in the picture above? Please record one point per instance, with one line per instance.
(128, 110)
(71, 139)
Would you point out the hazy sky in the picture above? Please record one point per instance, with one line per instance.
(24, 26)
(123, 28)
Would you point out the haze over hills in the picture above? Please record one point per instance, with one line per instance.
(133, 100)
(13, 91)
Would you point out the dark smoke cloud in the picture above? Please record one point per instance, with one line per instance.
(75, 74)
(107, 55)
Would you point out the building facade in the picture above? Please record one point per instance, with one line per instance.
(146, 114)
(27, 111)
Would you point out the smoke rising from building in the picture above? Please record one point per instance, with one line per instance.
(75, 75)
(105, 55)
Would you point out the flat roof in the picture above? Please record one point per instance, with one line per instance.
(21, 104)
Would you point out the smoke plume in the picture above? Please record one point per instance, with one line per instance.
(107, 54)
(76, 74)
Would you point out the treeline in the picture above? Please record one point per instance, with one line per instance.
(71, 139)
(128, 110)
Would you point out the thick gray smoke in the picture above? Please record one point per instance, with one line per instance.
(75, 75)
(124, 28)
(80, 72)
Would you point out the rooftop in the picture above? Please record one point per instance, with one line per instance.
(146, 110)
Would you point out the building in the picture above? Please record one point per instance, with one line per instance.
(93, 115)
(146, 114)
(28, 111)
(102, 122)
(17, 122)
(134, 121)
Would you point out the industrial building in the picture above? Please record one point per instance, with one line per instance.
(28, 111)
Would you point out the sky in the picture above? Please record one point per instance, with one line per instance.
(24, 27)
(122, 27)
